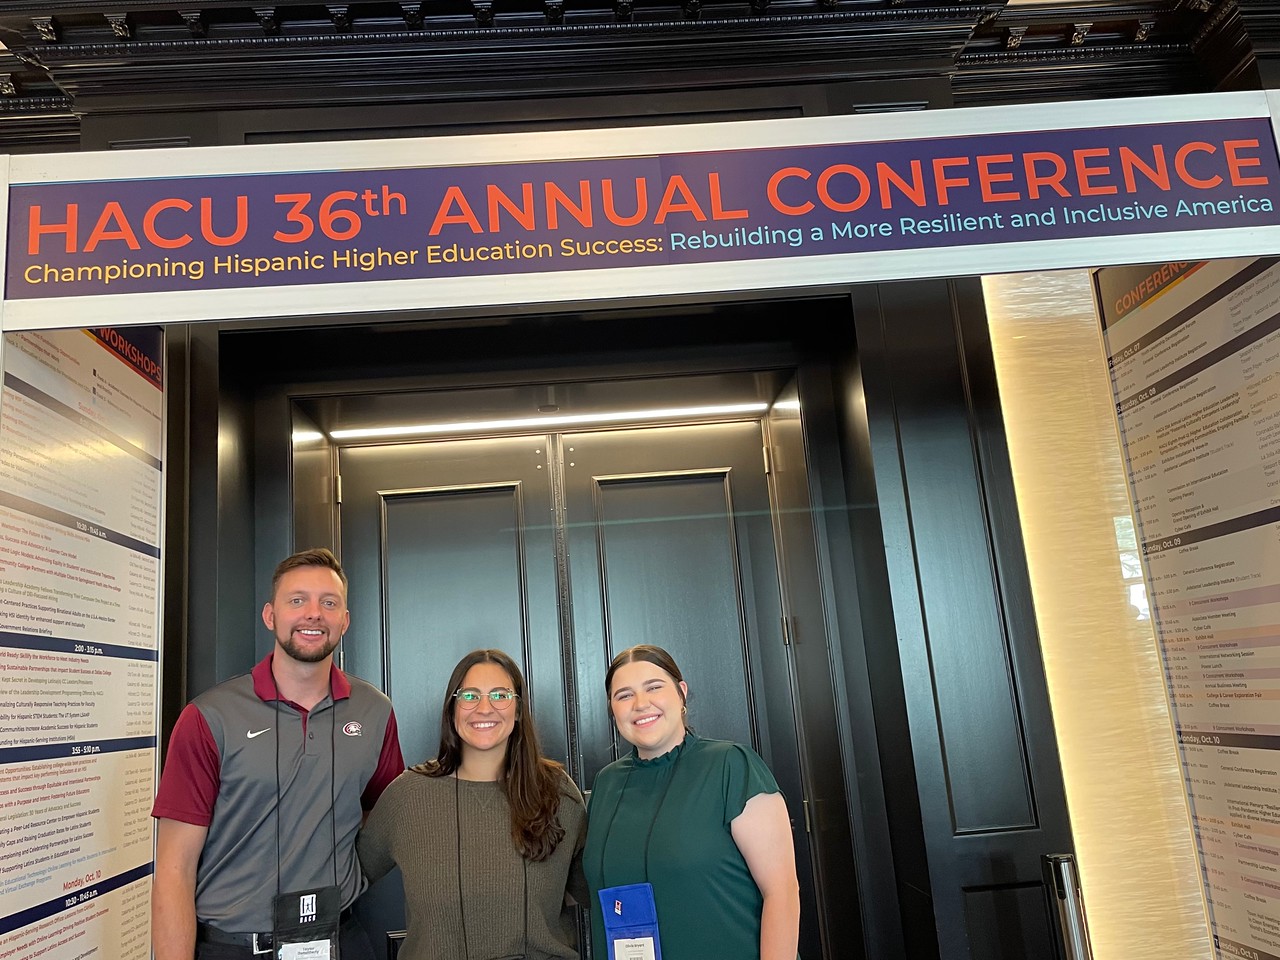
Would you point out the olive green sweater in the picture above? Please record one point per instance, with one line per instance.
(422, 823)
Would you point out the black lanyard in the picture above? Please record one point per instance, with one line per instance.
(684, 746)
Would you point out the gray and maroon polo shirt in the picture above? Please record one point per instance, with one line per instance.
(222, 771)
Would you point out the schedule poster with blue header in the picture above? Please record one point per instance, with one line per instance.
(81, 442)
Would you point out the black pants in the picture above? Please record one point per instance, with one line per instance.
(353, 943)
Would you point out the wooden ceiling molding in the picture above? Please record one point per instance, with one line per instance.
(1257, 26)
(1047, 52)
(81, 59)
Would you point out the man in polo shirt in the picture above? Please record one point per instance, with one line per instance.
(267, 779)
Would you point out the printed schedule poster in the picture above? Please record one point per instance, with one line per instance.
(1194, 351)
(81, 475)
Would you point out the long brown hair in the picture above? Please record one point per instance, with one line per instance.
(531, 782)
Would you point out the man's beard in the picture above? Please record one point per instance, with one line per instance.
(309, 654)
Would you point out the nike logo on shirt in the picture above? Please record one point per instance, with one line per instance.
(257, 733)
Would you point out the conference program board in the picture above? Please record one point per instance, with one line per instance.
(80, 522)
(1194, 351)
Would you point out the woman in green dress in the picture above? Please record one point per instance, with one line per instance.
(487, 836)
(701, 820)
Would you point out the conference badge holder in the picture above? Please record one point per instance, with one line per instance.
(631, 922)
(306, 924)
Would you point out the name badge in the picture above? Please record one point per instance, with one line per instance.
(306, 924)
(631, 922)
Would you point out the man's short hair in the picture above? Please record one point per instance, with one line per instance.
(315, 557)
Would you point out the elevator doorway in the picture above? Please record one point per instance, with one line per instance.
(564, 547)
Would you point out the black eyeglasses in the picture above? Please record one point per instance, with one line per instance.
(469, 698)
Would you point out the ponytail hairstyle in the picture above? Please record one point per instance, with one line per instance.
(531, 782)
(648, 653)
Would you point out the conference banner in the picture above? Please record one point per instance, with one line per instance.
(252, 231)
(80, 524)
(515, 219)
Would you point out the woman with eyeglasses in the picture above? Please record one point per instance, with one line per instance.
(693, 830)
(488, 835)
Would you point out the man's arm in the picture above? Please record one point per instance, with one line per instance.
(173, 889)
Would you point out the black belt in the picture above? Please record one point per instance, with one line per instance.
(258, 943)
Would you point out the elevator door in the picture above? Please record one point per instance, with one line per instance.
(563, 550)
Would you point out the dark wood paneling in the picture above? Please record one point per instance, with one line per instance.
(878, 772)
(454, 581)
(985, 766)
(244, 582)
(494, 587)
(1013, 585)
(202, 492)
(1009, 922)
(669, 577)
(989, 787)
(268, 507)
(630, 496)
(222, 597)
(586, 109)
(872, 667)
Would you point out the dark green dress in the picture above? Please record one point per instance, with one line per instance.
(708, 905)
